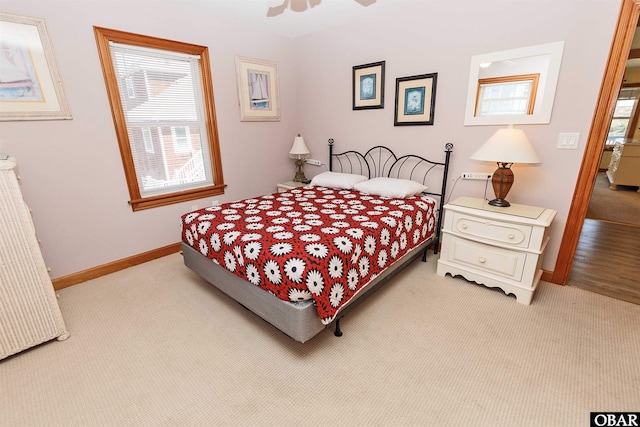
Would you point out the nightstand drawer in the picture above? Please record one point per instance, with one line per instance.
(491, 259)
(503, 233)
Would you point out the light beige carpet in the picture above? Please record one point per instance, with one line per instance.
(621, 205)
(154, 345)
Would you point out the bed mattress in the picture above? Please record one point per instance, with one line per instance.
(311, 244)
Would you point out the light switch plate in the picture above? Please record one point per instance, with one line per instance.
(568, 140)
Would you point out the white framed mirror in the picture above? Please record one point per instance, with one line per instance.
(514, 86)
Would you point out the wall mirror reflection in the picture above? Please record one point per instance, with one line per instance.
(513, 86)
(506, 95)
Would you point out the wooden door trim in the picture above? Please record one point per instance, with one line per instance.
(614, 72)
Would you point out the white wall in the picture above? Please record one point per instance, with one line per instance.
(442, 36)
(71, 170)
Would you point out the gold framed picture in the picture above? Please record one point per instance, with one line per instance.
(257, 90)
(30, 86)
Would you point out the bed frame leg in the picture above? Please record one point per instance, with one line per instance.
(338, 332)
(424, 255)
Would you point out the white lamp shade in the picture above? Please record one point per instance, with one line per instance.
(299, 149)
(507, 146)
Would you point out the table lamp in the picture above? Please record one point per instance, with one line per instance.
(299, 151)
(505, 147)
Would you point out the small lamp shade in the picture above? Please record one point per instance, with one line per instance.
(505, 147)
(508, 145)
(299, 151)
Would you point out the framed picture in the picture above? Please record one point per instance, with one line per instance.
(30, 87)
(368, 86)
(415, 100)
(257, 90)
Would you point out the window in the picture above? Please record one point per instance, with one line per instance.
(148, 140)
(510, 95)
(181, 140)
(162, 104)
(623, 115)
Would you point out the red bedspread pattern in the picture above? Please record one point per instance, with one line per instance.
(310, 242)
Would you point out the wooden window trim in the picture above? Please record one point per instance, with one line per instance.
(510, 79)
(137, 202)
(633, 123)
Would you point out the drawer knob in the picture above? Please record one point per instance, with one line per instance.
(511, 236)
(482, 260)
(463, 226)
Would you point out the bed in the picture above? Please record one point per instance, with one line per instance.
(303, 258)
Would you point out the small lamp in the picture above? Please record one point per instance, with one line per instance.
(506, 147)
(299, 151)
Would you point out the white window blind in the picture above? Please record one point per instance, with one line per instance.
(161, 96)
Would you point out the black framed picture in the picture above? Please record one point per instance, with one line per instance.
(415, 100)
(368, 86)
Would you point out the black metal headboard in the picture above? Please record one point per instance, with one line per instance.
(381, 161)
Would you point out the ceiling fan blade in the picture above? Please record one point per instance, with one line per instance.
(298, 5)
(302, 5)
(277, 10)
(365, 3)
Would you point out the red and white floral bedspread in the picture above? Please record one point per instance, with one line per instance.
(311, 242)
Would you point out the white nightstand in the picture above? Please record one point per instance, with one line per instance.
(496, 247)
(289, 185)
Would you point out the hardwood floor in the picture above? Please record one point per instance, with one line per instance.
(607, 260)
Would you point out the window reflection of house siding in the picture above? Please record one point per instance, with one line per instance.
(153, 102)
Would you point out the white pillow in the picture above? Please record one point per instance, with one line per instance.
(339, 180)
(390, 187)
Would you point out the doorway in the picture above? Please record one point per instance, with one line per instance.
(627, 22)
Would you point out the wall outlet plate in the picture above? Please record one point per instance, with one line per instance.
(476, 175)
(313, 162)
